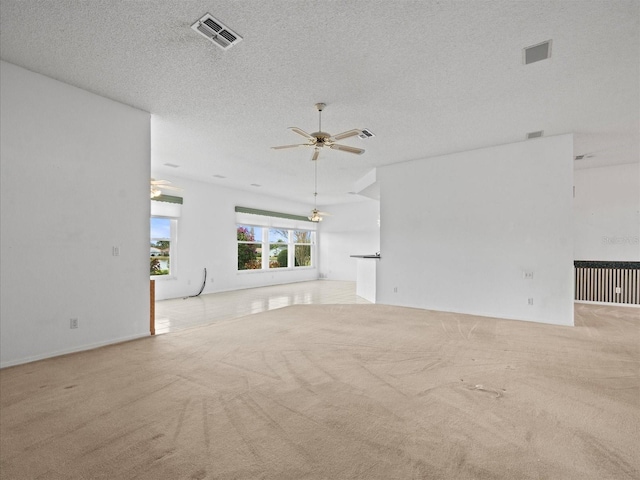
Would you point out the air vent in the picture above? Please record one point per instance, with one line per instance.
(172, 165)
(219, 176)
(366, 133)
(579, 157)
(217, 32)
(537, 134)
(538, 52)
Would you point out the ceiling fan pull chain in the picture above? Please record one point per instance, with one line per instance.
(315, 186)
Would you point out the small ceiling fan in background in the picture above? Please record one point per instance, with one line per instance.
(156, 187)
(316, 215)
(318, 140)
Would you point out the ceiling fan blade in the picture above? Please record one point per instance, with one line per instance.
(299, 131)
(347, 134)
(159, 182)
(316, 154)
(169, 187)
(346, 148)
(292, 146)
(325, 214)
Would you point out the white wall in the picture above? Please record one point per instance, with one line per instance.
(458, 231)
(207, 239)
(607, 213)
(75, 172)
(352, 229)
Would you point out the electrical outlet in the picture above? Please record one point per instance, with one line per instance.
(530, 301)
(73, 323)
(115, 251)
(528, 275)
(395, 289)
(618, 290)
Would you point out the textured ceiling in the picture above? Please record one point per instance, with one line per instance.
(427, 77)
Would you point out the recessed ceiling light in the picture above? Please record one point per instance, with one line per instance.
(538, 52)
(219, 176)
(537, 134)
(172, 165)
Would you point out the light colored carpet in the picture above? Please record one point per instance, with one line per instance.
(337, 392)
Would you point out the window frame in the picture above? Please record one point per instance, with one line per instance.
(311, 243)
(287, 245)
(260, 244)
(265, 246)
(173, 247)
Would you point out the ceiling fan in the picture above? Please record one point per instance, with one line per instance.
(158, 185)
(316, 215)
(321, 139)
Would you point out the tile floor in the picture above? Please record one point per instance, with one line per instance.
(177, 314)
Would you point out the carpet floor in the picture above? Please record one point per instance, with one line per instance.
(337, 392)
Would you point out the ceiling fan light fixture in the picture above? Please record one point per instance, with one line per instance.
(315, 216)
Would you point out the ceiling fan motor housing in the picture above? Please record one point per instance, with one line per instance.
(321, 138)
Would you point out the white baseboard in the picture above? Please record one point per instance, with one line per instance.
(67, 351)
(632, 305)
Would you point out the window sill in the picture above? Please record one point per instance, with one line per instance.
(163, 277)
(272, 270)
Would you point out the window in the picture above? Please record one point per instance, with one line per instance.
(287, 249)
(249, 247)
(288, 241)
(278, 248)
(162, 246)
(303, 240)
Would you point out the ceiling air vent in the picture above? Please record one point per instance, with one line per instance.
(537, 134)
(366, 133)
(538, 52)
(216, 31)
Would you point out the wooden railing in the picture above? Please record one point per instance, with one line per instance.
(614, 282)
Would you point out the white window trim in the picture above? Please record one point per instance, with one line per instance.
(173, 250)
(265, 246)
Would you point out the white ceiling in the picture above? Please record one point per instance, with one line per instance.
(427, 77)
